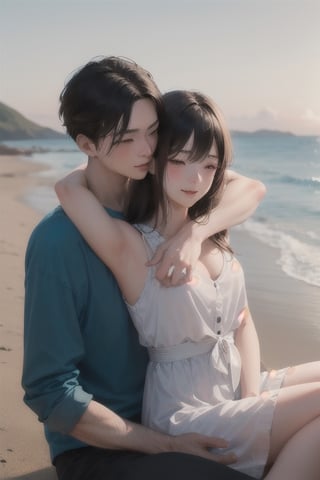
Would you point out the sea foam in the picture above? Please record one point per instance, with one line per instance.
(297, 259)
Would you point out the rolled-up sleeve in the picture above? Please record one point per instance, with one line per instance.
(53, 342)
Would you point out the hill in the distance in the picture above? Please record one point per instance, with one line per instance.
(14, 126)
(261, 133)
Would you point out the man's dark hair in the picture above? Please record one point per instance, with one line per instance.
(98, 98)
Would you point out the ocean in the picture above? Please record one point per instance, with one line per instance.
(288, 218)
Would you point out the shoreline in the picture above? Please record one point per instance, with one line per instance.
(286, 313)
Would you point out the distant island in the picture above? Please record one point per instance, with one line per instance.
(14, 126)
(261, 133)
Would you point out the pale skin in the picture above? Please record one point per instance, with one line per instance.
(296, 421)
(107, 174)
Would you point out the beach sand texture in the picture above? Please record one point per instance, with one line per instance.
(23, 450)
(277, 302)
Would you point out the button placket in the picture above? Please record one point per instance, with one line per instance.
(218, 318)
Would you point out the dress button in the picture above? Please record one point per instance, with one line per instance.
(218, 319)
(219, 332)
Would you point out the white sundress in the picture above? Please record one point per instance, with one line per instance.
(192, 381)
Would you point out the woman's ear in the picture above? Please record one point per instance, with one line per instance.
(86, 145)
(152, 166)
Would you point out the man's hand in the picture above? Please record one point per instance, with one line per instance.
(177, 257)
(101, 427)
(200, 445)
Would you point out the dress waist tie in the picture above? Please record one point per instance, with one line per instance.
(223, 353)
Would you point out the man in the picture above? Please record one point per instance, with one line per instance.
(83, 366)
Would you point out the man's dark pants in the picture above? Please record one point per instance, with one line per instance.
(91, 463)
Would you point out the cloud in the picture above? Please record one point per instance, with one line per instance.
(267, 115)
(310, 116)
(303, 123)
(266, 118)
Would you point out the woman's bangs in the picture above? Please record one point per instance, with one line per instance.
(204, 137)
(181, 135)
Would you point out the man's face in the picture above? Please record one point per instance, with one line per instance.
(131, 155)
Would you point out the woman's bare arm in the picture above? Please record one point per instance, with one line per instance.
(247, 343)
(240, 199)
(114, 241)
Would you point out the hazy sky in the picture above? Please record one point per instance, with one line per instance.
(258, 59)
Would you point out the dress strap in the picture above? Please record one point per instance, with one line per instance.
(152, 239)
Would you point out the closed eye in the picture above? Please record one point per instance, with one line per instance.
(154, 132)
(211, 167)
(175, 161)
(122, 140)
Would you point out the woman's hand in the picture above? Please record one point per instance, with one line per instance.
(177, 257)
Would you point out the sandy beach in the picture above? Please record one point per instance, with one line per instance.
(286, 311)
(277, 302)
(22, 447)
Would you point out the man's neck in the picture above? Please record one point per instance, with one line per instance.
(110, 188)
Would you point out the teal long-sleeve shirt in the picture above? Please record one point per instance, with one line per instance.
(79, 342)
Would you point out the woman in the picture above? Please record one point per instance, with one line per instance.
(203, 374)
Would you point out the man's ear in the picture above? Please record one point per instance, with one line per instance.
(152, 166)
(86, 145)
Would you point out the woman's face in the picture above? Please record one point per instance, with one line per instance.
(186, 182)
